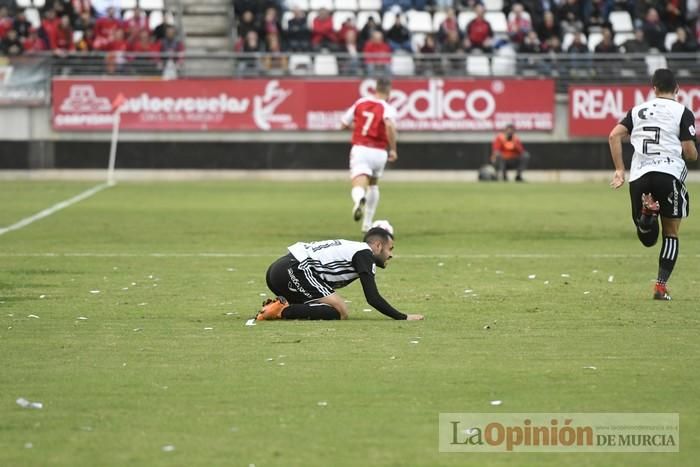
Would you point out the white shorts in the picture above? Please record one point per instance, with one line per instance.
(367, 161)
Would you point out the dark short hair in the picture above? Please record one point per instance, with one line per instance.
(383, 85)
(664, 81)
(377, 233)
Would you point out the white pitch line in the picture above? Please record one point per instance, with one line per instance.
(274, 255)
(56, 207)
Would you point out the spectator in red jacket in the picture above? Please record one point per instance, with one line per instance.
(322, 32)
(348, 26)
(33, 43)
(145, 58)
(49, 29)
(136, 24)
(64, 35)
(479, 32)
(105, 26)
(377, 53)
(116, 56)
(6, 22)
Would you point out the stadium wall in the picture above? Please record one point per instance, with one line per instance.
(27, 141)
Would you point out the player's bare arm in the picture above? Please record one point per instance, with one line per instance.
(617, 135)
(690, 151)
(392, 136)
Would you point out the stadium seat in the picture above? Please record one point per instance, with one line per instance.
(417, 41)
(362, 18)
(438, 19)
(478, 65)
(568, 39)
(155, 18)
(621, 21)
(402, 65)
(286, 16)
(326, 65)
(419, 21)
(301, 4)
(348, 5)
(150, 4)
(493, 5)
(594, 39)
(39, 3)
(339, 18)
(310, 17)
(127, 14)
(389, 18)
(622, 37)
(465, 18)
(655, 62)
(318, 4)
(504, 62)
(670, 38)
(300, 64)
(128, 4)
(370, 4)
(77, 36)
(24, 3)
(33, 17)
(497, 20)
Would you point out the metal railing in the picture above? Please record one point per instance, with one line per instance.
(564, 68)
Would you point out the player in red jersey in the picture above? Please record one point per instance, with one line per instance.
(373, 121)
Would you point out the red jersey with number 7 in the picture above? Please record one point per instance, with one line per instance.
(368, 115)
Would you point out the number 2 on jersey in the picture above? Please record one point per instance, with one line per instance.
(655, 140)
(369, 116)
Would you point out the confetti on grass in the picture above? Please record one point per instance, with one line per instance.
(250, 322)
(532, 276)
(94, 291)
(496, 402)
(25, 404)
(611, 278)
(168, 448)
(33, 316)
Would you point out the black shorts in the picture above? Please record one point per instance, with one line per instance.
(296, 285)
(670, 192)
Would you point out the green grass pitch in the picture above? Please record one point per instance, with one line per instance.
(164, 357)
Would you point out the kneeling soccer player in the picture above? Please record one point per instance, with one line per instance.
(305, 279)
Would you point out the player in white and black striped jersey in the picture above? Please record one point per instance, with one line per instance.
(305, 280)
(662, 132)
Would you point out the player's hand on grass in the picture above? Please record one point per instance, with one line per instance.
(393, 155)
(414, 317)
(618, 179)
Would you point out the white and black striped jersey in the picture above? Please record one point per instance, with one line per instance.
(657, 128)
(338, 262)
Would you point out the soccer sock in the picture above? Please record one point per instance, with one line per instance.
(371, 206)
(310, 311)
(667, 259)
(357, 194)
(648, 230)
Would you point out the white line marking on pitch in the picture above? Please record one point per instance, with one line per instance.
(274, 255)
(55, 208)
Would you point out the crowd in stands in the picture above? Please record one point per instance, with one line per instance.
(464, 27)
(129, 40)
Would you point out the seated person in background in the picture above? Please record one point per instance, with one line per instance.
(508, 153)
(479, 33)
(684, 43)
(377, 54)
(606, 45)
(637, 45)
(298, 32)
(398, 36)
(323, 35)
(519, 24)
